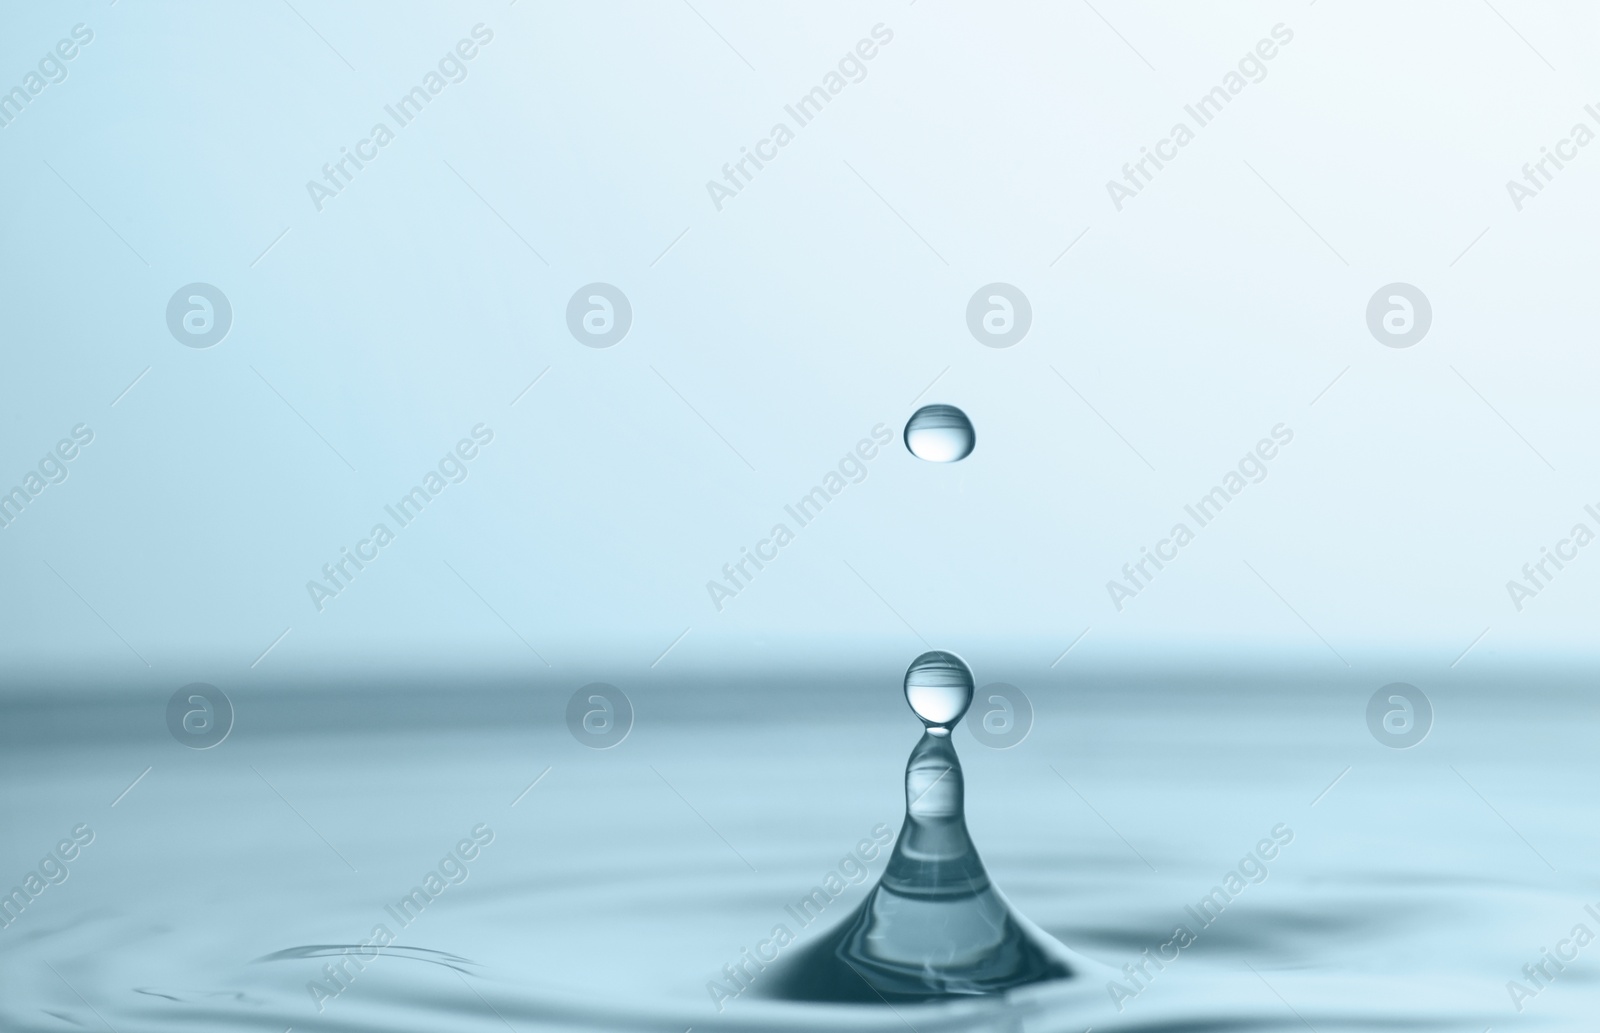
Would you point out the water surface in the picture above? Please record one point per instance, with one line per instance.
(1404, 891)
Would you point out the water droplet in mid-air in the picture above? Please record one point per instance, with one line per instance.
(939, 689)
(940, 434)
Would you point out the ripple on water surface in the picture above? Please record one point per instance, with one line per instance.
(219, 891)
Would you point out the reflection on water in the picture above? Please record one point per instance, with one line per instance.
(358, 953)
(1323, 879)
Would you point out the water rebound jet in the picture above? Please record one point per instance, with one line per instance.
(934, 927)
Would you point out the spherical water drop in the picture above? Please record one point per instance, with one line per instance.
(939, 689)
(940, 434)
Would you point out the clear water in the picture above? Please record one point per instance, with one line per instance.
(934, 927)
(616, 889)
(940, 434)
(938, 687)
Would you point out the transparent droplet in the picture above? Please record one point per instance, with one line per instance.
(939, 689)
(934, 927)
(940, 434)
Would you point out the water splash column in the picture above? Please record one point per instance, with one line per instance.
(934, 926)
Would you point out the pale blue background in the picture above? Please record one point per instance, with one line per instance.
(793, 321)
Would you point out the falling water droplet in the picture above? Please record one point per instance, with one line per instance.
(940, 434)
(939, 689)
